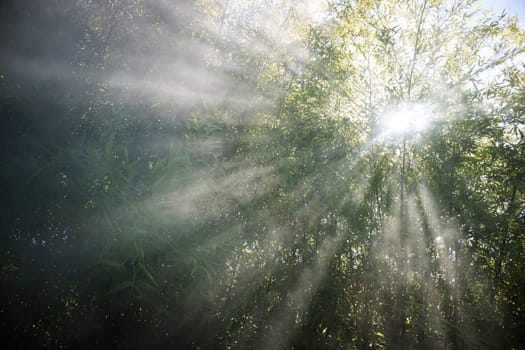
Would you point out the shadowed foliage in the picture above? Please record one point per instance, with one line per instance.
(221, 174)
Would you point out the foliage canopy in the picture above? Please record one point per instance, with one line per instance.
(214, 174)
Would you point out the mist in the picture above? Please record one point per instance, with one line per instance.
(261, 175)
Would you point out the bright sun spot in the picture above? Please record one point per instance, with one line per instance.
(406, 118)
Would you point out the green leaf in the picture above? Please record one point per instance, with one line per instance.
(120, 287)
(144, 269)
(111, 263)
